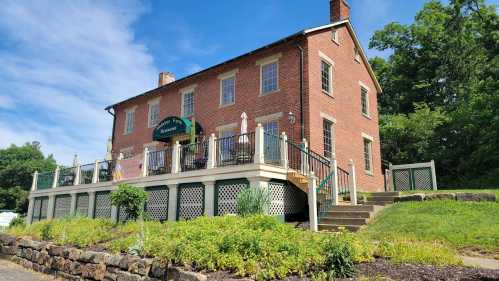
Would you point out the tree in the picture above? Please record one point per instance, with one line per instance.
(17, 165)
(447, 60)
(131, 199)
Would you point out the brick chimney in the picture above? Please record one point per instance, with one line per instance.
(165, 78)
(339, 10)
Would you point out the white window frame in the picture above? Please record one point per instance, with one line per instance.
(325, 116)
(370, 139)
(356, 51)
(126, 129)
(151, 103)
(325, 59)
(335, 36)
(186, 91)
(331, 138)
(222, 78)
(264, 62)
(368, 104)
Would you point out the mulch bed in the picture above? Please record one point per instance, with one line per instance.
(403, 272)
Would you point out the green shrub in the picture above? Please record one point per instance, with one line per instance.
(339, 257)
(131, 199)
(253, 201)
(17, 221)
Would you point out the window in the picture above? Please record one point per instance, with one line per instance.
(357, 54)
(129, 121)
(228, 90)
(364, 101)
(153, 114)
(187, 103)
(226, 145)
(335, 36)
(326, 76)
(368, 156)
(127, 153)
(327, 129)
(269, 77)
(271, 141)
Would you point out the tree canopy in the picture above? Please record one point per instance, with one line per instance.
(17, 165)
(441, 91)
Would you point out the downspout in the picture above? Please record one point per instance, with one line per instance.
(114, 125)
(302, 122)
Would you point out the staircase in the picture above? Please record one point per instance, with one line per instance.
(354, 218)
(298, 180)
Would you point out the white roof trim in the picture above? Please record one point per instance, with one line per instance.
(357, 44)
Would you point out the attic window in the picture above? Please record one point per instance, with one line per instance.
(335, 36)
(357, 54)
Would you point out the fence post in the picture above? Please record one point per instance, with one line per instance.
(29, 215)
(209, 202)
(95, 176)
(284, 151)
(335, 179)
(259, 145)
(176, 158)
(91, 204)
(51, 207)
(172, 202)
(56, 176)
(72, 208)
(353, 182)
(212, 152)
(77, 174)
(433, 175)
(34, 184)
(304, 158)
(312, 202)
(145, 163)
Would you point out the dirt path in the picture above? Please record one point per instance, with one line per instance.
(10, 271)
(480, 262)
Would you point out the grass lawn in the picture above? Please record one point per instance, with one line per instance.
(461, 226)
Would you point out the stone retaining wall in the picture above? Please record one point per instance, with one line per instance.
(70, 263)
(460, 196)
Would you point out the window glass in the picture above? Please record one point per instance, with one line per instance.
(269, 77)
(364, 101)
(367, 155)
(129, 120)
(188, 104)
(228, 90)
(271, 141)
(328, 138)
(153, 114)
(326, 76)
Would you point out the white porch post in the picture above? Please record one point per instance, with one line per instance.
(304, 158)
(212, 152)
(209, 198)
(172, 202)
(77, 174)
(91, 204)
(114, 213)
(259, 145)
(284, 151)
(433, 175)
(50, 207)
(312, 202)
(335, 179)
(176, 158)
(145, 162)
(72, 208)
(353, 182)
(34, 184)
(56, 177)
(95, 177)
(29, 215)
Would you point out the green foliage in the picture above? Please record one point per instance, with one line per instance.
(441, 225)
(339, 258)
(253, 201)
(447, 60)
(131, 199)
(17, 165)
(17, 222)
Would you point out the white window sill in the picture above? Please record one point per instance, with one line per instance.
(367, 116)
(226, 105)
(369, 173)
(357, 60)
(329, 94)
(335, 42)
(127, 133)
(269, 93)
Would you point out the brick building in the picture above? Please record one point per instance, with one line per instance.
(320, 75)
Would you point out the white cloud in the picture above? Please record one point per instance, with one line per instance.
(68, 60)
(193, 68)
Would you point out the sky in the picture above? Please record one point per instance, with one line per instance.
(63, 61)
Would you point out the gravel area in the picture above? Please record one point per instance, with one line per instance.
(10, 271)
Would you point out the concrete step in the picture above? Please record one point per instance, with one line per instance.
(387, 193)
(331, 227)
(344, 221)
(377, 203)
(347, 214)
(381, 198)
(345, 208)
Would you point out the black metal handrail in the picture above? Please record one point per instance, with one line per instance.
(272, 149)
(66, 176)
(45, 180)
(343, 182)
(106, 170)
(193, 156)
(235, 150)
(87, 173)
(159, 162)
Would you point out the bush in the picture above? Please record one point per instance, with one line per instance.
(253, 201)
(17, 221)
(339, 258)
(131, 198)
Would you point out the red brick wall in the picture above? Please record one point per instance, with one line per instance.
(344, 106)
(207, 98)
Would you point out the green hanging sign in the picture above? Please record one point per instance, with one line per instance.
(172, 126)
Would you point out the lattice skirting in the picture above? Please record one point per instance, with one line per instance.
(62, 206)
(402, 179)
(82, 204)
(157, 203)
(226, 193)
(102, 204)
(190, 201)
(286, 199)
(422, 178)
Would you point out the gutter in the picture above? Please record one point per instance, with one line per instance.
(302, 122)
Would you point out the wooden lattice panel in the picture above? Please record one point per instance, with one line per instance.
(190, 201)
(62, 207)
(227, 192)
